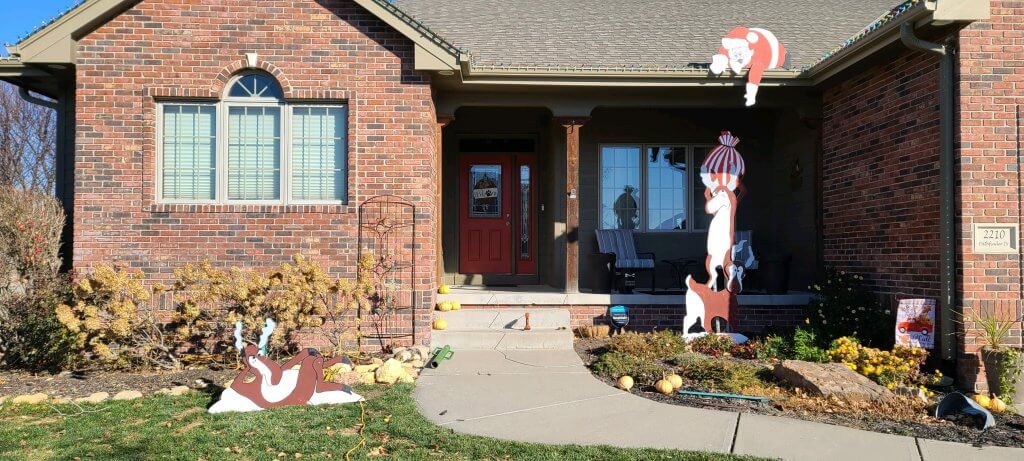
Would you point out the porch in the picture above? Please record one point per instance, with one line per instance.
(562, 177)
(652, 310)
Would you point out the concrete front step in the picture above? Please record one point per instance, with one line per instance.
(503, 340)
(505, 318)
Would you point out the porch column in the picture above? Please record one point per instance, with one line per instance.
(442, 121)
(572, 127)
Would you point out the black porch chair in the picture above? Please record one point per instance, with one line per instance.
(626, 260)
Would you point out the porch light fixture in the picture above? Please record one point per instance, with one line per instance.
(446, 73)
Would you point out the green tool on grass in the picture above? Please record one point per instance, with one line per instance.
(440, 354)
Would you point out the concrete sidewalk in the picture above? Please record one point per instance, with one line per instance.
(548, 396)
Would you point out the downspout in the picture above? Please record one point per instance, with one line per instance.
(947, 185)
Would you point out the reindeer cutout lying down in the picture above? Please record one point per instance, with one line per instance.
(299, 381)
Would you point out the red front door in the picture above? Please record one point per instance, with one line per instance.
(486, 197)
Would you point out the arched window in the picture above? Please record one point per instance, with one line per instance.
(253, 147)
(255, 85)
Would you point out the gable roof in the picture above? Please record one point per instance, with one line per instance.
(593, 42)
(634, 34)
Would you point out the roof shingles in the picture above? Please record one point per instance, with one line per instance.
(634, 34)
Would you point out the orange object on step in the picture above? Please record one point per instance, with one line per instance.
(527, 327)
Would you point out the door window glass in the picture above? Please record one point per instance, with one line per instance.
(485, 191)
(524, 212)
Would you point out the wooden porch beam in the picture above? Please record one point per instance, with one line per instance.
(442, 121)
(572, 127)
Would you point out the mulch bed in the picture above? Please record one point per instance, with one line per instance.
(74, 384)
(1008, 431)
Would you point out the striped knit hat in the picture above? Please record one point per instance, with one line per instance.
(724, 165)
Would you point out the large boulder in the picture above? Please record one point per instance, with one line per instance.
(830, 379)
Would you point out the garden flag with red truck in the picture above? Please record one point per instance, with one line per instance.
(915, 323)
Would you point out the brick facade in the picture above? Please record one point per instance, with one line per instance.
(647, 317)
(880, 173)
(991, 87)
(318, 50)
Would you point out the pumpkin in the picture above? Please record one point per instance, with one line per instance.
(998, 405)
(664, 386)
(675, 380)
(455, 305)
(444, 306)
(625, 383)
(440, 324)
(983, 400)
(444, 289)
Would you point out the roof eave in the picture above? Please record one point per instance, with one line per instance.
(927, 14)
(616, 77)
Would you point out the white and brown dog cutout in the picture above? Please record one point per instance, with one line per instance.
(264, 384)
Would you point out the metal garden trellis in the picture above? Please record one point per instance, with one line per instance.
(387, 231)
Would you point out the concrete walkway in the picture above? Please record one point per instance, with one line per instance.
(548, 396)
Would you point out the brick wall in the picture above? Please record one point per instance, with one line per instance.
(752, 319)
(880, 180)
(883, 124)
(318, 50)
(990, 90)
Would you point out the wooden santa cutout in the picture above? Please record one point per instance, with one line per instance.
(755, 49)
(713, 307)
(264, 384)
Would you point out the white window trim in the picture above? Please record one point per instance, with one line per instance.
(221, 131)
(691, 211)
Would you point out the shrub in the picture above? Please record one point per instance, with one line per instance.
(616, 364)
(107, 318)
(300, 294)
(843, 306)
(30, 228)
(711, 344)
(719, 374)
(901, 366)
(805, 347)
(31, 338)
(773, 347)
(747, 350)
(658, 345)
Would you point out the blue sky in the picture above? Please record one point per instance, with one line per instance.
(18, 17)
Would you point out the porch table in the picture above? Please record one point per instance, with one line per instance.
(682, 267)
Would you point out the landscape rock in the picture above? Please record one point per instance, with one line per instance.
(341, 368)
(416, 364)
(377, 361)
(912, 392)
(403, 356)
(422, 351)
(391, 372)
(367, 377)
(61, 400)
(95, 397)
(30, 399)
(127, 395)
(366, 368)
(3, 398)
(830, 380)
(174, 391)
(350, 378)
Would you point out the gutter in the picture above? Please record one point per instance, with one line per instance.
(947, 184)
(23, 92)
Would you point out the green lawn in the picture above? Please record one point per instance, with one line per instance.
(179, 428)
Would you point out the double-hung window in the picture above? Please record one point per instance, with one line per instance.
(651, 187)
(252, 147)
